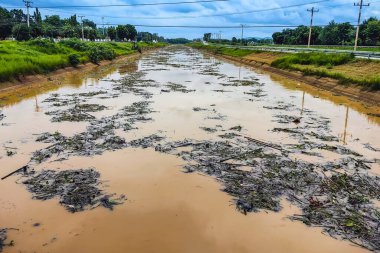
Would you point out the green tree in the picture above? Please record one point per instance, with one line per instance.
(6, 23)
(21, 32)
(18, 16)
(122, 32)
(111, 32)
(131, 32)
(278, 38)
(89, 23)
(37, 17)
(345, 33)
(53, 20)
(370, 32)
(329, 34)
(207, 36)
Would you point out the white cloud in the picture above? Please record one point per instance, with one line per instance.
(344, 11)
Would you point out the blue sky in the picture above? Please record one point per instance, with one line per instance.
(338, 10)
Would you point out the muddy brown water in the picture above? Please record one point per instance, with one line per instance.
(167, 210)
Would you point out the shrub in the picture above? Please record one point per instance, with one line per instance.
(21, 32)
(100, 52)
(76, 44)
(94, 55)
(74, 60)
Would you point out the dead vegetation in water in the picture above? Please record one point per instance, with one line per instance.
(176, 87)
(342, 203)
(4, 237)
(99, 135)
(2, 116)
(337, 196)
(77, 189)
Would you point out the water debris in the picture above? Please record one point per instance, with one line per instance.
(209, 129)
(341, 203)
(198, 109)
(257, 93)
(237, 128)
(4, 237)
(286, 119)
(178, 87)
(243, 82)
(339, 196)
(368, 146)
(77, 189)
(92, 93)
(99, 135)
(230, 135)
(2, 116)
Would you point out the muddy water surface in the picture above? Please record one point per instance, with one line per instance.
(194, 97)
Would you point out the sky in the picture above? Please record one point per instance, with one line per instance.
(191, 14)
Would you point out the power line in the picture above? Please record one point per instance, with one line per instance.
(218, 27)
(125, 5)
(193, 16)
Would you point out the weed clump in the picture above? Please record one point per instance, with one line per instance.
(77, 190)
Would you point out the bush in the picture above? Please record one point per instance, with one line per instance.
(76, 44)
(21, 32)
(99, 52)
(74, 60)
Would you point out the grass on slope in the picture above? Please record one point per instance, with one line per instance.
(342, 67)
(42, 56)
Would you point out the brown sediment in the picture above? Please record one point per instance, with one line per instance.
(325, 83)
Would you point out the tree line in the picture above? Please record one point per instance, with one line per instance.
(332, 34)
(13, 24)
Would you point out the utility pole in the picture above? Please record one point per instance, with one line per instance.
(81, 20)
(242, 33)
(358, 27)
(103, 26)
(312, 10)
(28, 4)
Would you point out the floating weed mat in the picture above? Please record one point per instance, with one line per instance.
(243, 82)
(77, 190)
(99, 136)
(136, 84)
(342, 203)
(257, 93)
(3, 238)
(80, 112)
(57, 101)
(178, 87)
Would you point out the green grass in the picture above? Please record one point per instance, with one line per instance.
(309, 63)
(42, 56)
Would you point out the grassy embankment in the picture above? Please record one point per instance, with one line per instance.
(342, 67)
(42, 56)
(350, 48)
